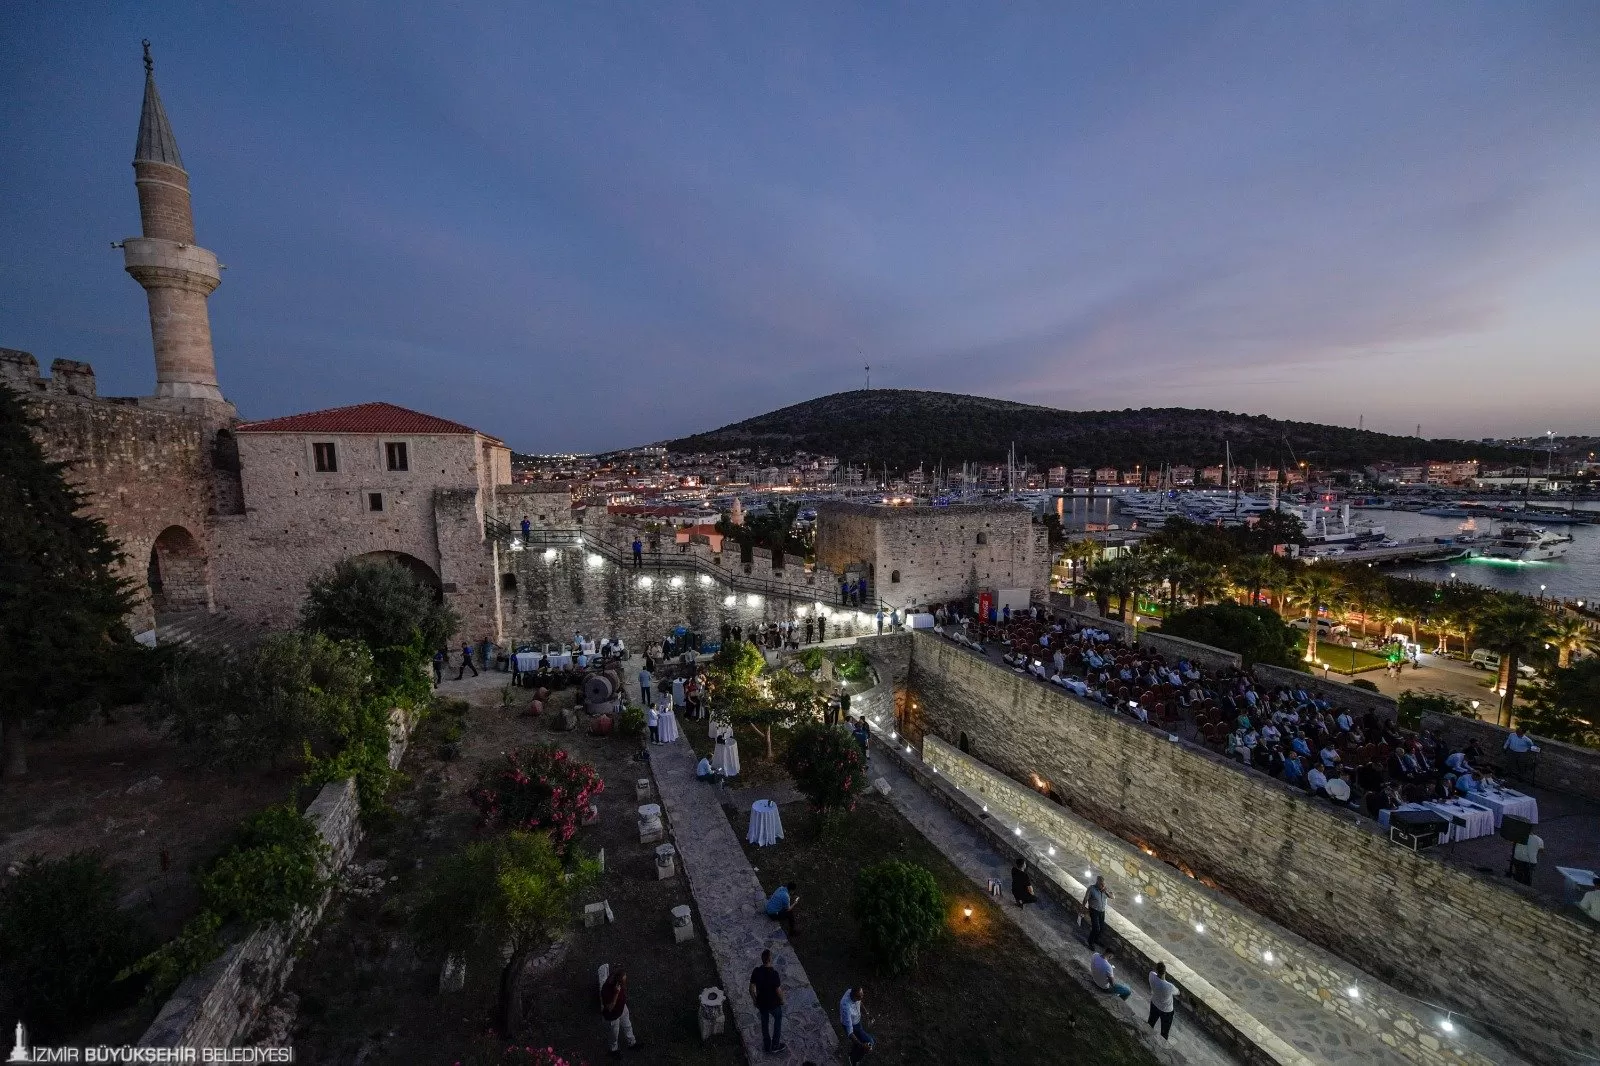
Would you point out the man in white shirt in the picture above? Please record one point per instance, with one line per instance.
(1519, 742)
(1162, 994)
(1524, 857)
(1105, 976)
(1338, 789)
(654, 723)
(1317, 781)
(850, 1016)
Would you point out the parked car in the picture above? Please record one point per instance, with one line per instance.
(1325, 627)
(1484, 659)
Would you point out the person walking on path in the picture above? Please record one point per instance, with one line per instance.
(1021, 883)
(861, 1041)
(654, 722)
(527, 529)
(646, 679)
(766, 990)
(638, 554)
(466, 662)
(1094, 901)
(614, 1009)
(1162, 993)
(441, 659)
(1105, 976)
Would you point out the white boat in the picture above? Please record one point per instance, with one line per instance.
(1526, 544)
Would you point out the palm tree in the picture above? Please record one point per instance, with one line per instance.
(1366, 587)
(1080, 553)
(1101, 580)
(1130, 576)
(1569, 633)
(1204, 582)
(1278, 578)
(1251, 573)
(1515, 630)
(1171, 569)
(1320, 588)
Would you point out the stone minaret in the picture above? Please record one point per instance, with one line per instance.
(177, 274)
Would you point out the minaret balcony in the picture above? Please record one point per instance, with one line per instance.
(153, 260)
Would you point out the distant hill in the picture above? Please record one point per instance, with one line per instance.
(903, 427)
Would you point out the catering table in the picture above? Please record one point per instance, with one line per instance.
(527, 661)
(1504, 801)
(667, 726)
(766, 827)
(726, 756)
(1576, 883)
(1480, 820)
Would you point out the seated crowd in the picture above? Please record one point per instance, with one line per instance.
(1287, 732)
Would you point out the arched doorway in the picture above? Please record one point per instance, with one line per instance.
(419, 569)
(177, 574)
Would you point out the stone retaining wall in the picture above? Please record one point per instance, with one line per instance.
(1566, 767)
(1298, 965)
(1183, 648)
(1359, 700)
(1430, 929)
(219, 1006)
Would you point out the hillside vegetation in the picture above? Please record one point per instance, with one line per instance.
(902, 427)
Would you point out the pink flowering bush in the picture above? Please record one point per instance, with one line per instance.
(539, 787)
(538, 1056)
(827, 765)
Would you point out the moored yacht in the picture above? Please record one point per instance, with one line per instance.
(1526, 544)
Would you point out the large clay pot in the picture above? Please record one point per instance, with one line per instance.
(535, 709)
(602, 726)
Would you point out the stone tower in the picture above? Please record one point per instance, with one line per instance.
(177, 274)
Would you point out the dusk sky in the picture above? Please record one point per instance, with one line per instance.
(583, 226)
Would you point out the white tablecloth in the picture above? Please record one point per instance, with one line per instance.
(726, 756)
(529, 660)
(1480, 822)
(1506, 801)
(766, 827)
(667, 726)
(716, 726)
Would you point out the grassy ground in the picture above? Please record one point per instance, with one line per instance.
(1338, 657)
(984, 993)
(366, 995)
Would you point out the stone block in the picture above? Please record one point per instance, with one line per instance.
(453, 977)
(594, 914)
(650, 834)
(682, 924)
(591, 814)
(713, 1016)
(881, 786)
(666, 861)
(642, 789)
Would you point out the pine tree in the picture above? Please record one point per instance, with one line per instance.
(62, 604)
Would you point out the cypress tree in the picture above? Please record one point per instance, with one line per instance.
(62, 604)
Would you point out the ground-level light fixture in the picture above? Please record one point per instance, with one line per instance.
(596, 560)
(1267, 955)
(966, 912)
(1447, 1025)
(705, 579)
(1199, 928)
(646, 581)
(549, 554)
(729, 600)
(676, 582)
(1138, 897)
(1353, 992)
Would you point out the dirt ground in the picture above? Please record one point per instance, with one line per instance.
(983, 993)
(128, 794)
(365, 996)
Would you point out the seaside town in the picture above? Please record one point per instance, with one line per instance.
(895, 726)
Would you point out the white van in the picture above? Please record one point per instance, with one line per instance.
(1484, 659)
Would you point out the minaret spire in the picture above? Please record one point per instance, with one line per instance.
(177, 274)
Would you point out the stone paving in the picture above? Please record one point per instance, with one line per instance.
(730, 901)
(1289, 1024)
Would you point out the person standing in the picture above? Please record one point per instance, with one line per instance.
(1524, 857)
(1162, 994)
(677, 694)
(1021, 883)
(811, 625)
(527, 528)
(466, 662)
(614, 1009)
(1094, 901)
(646, 680)
(822, 629)
(441, 659)
(638, 554)
(861, 1041)
(766, 991)
(655, 723)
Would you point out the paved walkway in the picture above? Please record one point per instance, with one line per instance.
(1047, 924)
(731, 902)
(1295, 1028)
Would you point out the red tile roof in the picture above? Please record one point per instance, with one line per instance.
(359, 418)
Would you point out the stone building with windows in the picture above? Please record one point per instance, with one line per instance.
(219, 518)
(914, 556)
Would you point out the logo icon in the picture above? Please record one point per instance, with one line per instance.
(19, 1051)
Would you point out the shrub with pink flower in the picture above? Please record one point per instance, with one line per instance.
(827, 765)
(538, 787)
(538, 1056)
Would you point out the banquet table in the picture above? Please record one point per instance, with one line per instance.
(1480, 820)
(726, 756)
(766, 827)
(529, 660)
(1506, 801)
(667, 726)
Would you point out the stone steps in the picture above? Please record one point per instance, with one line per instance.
(202, 629)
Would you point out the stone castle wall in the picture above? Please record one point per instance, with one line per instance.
(144, 469)
(926, 555)
(1426, 927)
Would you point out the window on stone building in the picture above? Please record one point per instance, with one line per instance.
(374, 501)
(894, 578)
(395, 452)
(326, 458)
(983, 538)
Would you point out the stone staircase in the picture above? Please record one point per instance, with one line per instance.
(203, 629)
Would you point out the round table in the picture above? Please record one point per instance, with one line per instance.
(667, 726)
(766, 827)
(715, 725)
(726, 756)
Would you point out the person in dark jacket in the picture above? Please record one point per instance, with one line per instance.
(1021, 884)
